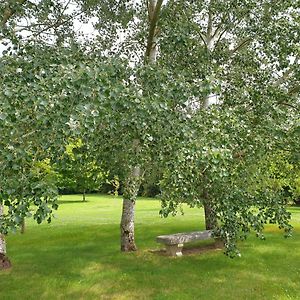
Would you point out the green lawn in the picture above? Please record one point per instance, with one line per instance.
(78, 257)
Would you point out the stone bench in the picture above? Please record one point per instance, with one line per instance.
(174, 242)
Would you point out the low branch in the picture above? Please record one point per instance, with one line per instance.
(202, 38)
(220, 36)
(217, 31)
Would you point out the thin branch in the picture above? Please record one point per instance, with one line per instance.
(290, 105)
(58, 23)
(66, 6)
(242, 44)
(220, 36)
(294, 91)
(217, 31)
(287, 73)
(202, 38)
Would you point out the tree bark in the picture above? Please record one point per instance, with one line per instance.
(4, 261)
(23, 226)
(127, 226)
(83, 196)
(154, 7)
(210, 217)
(127, 221)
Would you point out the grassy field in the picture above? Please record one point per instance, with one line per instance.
(78, 257)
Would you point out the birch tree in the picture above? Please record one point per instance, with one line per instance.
(132, 183)
(246, 55)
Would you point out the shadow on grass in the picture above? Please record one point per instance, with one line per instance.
(71, 201)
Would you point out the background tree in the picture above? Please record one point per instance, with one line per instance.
(78, 171)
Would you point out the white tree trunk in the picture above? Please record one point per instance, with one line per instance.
(210, 216)
(4, 261)
(2, 245)
(127, 226)
(2, 240)
(131, 189)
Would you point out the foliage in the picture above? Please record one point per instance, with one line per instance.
(78, 172)
(41, 91)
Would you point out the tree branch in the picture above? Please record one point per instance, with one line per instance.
(295, 90)
(220, 36)
(290, 105)
(58, 23)
(209, 37)
(242, 44)
(154, 10)
(286, 74)
(9, 12)
(218, 30)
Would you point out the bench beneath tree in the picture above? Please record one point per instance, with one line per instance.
(174, 242)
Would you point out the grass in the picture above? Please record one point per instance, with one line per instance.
(78, 257)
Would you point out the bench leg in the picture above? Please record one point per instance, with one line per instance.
(174, 250)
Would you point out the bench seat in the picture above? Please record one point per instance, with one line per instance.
(174, 242)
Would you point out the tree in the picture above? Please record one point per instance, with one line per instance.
(78, 171)
(132, 183)
(216, 40)
(254, 112)
(26, 138)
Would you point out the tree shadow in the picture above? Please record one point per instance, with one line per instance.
(71, 201)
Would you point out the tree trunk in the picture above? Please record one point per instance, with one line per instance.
(23, 226)
(134, 180)
(83, 196)
(210, 217)
(154, 7)
(127, 221)
(127, 226)
(4, 261)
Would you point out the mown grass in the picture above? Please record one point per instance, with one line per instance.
(78, 257)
